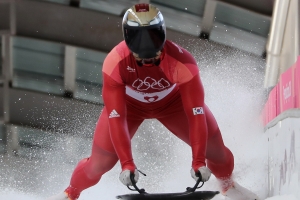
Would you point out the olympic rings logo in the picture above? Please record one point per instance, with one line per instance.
(148, 82)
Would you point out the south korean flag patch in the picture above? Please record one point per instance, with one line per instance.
(198, 111)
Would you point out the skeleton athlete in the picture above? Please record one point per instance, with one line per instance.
(148, 77)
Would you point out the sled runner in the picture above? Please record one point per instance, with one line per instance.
(189, 194)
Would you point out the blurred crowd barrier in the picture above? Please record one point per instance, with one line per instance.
(285, 95)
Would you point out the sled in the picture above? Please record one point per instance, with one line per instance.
(189, 194)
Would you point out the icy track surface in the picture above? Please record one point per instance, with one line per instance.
(233, 81)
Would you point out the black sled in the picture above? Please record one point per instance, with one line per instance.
(189, 194)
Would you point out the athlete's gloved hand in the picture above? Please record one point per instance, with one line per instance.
(125, 177)
(204, 171)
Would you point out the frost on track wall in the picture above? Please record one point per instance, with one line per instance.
(284, 157)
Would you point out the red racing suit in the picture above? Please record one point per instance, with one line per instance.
(151, 90)
(172, 93)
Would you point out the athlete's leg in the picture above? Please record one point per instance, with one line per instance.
(103, 157)
(219, 158)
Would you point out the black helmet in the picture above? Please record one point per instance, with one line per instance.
(144, 30)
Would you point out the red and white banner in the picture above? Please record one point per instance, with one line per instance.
(285, 95)
(297, 83)
(273, 104)
(286, 90)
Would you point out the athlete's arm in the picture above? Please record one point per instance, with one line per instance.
(114, 99)
(192, 94)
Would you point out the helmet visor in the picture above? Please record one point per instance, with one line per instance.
(145, 41)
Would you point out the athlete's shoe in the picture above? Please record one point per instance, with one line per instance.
(60, 196)
(237, 192)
